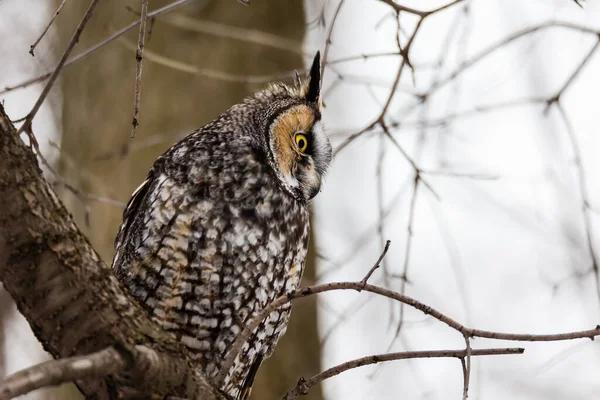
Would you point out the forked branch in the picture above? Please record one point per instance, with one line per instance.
(304, 385)
(403, 299)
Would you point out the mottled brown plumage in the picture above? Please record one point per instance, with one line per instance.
(219, 228)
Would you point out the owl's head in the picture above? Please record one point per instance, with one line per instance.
(293, 138)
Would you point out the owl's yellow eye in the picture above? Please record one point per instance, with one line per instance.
(301, 142)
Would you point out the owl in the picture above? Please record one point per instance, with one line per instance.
(219, 229)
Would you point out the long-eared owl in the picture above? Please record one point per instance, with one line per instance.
(219, 228)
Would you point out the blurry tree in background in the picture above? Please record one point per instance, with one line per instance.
(99, 156)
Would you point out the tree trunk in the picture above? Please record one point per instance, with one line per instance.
(99, 157)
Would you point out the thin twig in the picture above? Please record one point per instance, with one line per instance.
(329, 35)
(33, 46)
(236, 33)
(476, 110)
(481, 55)
(26, 127)
(584, 194)
(358, 286)
(207, 72)
(363, 57)
(379, 120)
(380, 206)
(102, 43)
(82, 195)
(304, 385)
(574, 74)
(477, 58)
(377, 263)
(466, 360)
(405, 61)
(412, 162)
(422, 14)
(484, 53)
(407, 248)
(139, 56)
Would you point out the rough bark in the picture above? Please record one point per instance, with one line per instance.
(5, 315)
(72, 301)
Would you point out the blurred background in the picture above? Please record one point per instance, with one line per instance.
(477, 156)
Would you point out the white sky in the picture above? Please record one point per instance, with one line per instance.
(489, 251)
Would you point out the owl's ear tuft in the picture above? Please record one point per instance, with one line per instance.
(297, 81)
(311, 89)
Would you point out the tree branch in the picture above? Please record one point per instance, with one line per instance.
(163, 10)
(26, 127)
(55, 372)
(360, 286)
(72, 301)
(304, 385)
(33, 46)
(139, 56)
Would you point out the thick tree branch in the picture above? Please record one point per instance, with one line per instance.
(55, 372)
(72, 301)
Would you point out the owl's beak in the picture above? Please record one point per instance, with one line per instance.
(314, 191)
(310, 181)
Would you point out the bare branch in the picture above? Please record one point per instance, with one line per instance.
(466, 363)
(575, 73)
(329, 35)
(236, 33)
(304, 385)
(359, 286)
(26, 127)
(380, 119)
(33, 46)
(55, 372)
(399, 8)
(208, 72)
(134, 365)
(481, 55)
(61, 286)
(407, 248)
(583, 193)
(422, 14)
(405, 61)
(139, 56)
(363, 57)
(160, 11)
(377, 263)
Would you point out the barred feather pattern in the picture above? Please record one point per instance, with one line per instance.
(213, 236)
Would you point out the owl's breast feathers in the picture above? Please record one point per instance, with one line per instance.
(207, 241)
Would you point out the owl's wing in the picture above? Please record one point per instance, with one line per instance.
(130, 210)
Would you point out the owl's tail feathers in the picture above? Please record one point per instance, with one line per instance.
(249, 381)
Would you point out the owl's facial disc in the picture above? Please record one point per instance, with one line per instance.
(301, 150)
